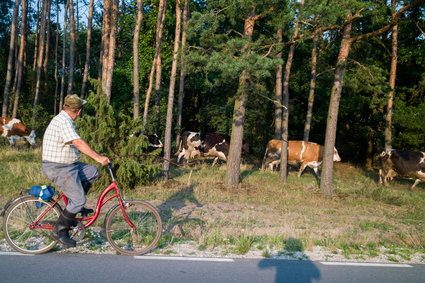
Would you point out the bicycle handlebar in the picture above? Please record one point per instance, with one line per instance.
(110, 168)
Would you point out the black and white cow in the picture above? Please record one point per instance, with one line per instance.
(209, 144)
(153, 139)
(216, 145)
(403, 163)
(189, 147)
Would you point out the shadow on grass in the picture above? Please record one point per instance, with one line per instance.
(176, 213)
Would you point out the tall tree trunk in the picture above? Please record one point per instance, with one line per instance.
(158, 67)
(307, 126)
(62, 91)
(235, 149)
(20, 58)
(327, 171)
(136, 90)
(347, 41)
(55, 100)
(37, 29)
(156, 64)
(182, 71)
(106, 31)
(170, 106)
(88, 47)
(148, 93)
(393, 74)
(46, 49)
(71, 66)
(285, 111)
(39, 67)
(111, 51)
(278, 93)
(9, 73)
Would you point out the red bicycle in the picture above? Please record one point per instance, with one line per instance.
(132, 227)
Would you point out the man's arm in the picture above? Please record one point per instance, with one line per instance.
(87, 150)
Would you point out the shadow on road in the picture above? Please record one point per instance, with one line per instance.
(292, 270)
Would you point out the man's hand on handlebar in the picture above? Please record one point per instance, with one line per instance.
(104, 160)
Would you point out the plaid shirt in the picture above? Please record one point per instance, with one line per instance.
(57, 146)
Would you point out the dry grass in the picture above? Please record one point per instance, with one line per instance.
(195, 205)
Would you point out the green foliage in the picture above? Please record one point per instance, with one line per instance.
(111, 134)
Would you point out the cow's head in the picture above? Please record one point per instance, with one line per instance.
(154, 141)
(31, 137)
(336, 155)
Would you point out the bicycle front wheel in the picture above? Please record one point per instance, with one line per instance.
(140, 239)
(27, 224)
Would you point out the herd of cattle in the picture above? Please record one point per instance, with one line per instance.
(403, 163)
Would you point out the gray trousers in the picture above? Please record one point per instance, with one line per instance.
(74, 180)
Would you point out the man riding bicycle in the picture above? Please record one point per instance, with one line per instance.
(60, 156)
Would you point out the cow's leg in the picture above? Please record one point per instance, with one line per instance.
(380, 176)
(181, 154)
(316, 170)
(11, 141)
(215, 161)
(274, 164)
(414, 184)
(302, 167)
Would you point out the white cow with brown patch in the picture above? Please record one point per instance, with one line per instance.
(299, 152)
(13, 129)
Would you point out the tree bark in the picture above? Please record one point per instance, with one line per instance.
(55, 99)
(39, 67)
(393, 74)
(285, 111)
(158, 67)
(136, 88)
(278, 93)
(327, 171)
(46, 50)
(37, 29)
(71, 66)
(307, 126)
(156, 64)
(111, 51)
(182, 71)
(20, 58)
(170, 106)
(106, 30)
(236, 139)
(9, 73)
(88, 47)
(62, 91)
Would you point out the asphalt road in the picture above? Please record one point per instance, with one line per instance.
(55, 267)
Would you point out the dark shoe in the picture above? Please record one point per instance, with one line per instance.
(61, 231)
(86, 211)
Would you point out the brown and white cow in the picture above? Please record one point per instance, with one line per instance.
(299, 152)
(13, 129)
(403, 163)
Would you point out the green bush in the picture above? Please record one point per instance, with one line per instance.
(110, 133)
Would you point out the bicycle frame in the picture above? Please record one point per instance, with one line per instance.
(101, 201)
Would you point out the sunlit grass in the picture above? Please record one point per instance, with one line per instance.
(358, 220)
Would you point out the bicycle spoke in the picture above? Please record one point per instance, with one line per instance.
(140, 239)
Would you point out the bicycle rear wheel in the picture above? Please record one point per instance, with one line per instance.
(140, 239)
(20, 229)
